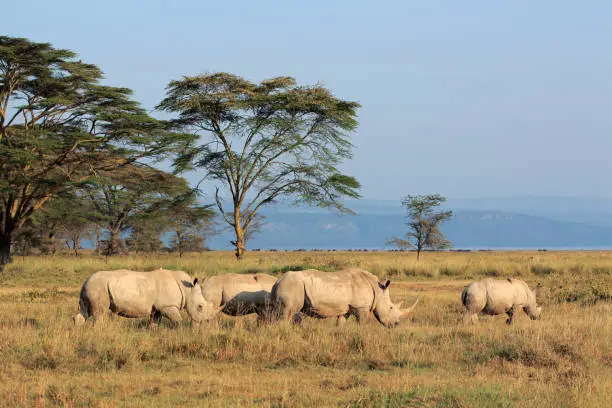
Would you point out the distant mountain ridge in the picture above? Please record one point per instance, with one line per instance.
(474, 225)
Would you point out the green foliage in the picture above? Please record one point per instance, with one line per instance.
(265, 141)
(423, 222)
(189, 223)
(587, 289)
(145, 236)
(128, 199)
(59, 127)
(28, 239)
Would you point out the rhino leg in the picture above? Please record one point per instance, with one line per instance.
(470, 317)
(262, 319)
(172, 313)
(297, 318)
(155, 319)
(510, 314)
(101, 314)
(361, 315)
(341, 320)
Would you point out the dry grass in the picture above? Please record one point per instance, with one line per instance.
(563, 360)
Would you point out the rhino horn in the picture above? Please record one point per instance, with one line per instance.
(407, 312)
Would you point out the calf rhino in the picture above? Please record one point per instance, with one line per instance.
(335, 294)
(493, 296)
(236, 295)
(140, 294)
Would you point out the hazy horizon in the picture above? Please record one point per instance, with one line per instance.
(465, 100)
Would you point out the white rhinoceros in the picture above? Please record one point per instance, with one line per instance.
(238, 294)
(497, 296)
(140, 294)
(335, 294)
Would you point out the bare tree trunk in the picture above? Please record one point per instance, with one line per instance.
(5, 249)
(98, 239)
(240, 242)
(52, 243)
(114, 246)
(179, 239)
(76, 244)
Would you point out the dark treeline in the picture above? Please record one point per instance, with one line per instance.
(79, 159)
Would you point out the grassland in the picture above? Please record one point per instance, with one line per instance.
(562, 360)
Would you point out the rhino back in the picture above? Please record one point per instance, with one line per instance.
(335, 293)
(523, 296)
(501, 295)
(135, 294)
(94, 293)
(171, 288)
(289, 288)
(132, 295)
(222, 289)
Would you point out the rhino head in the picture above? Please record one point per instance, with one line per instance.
(533, 311)
(198, 308)
(385, 311)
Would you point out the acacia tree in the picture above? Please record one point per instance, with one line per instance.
(423, 222)
(189, 222)
(265, 141)
(128, 196)
(145, 234)
(58, 127)
(68, 219)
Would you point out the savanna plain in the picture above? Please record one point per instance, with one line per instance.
(432, 359)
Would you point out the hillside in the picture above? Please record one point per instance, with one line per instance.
(295, 228)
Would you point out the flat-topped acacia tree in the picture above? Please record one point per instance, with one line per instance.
(265, 141)
(59, 127)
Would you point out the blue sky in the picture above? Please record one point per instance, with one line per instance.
(465, 99)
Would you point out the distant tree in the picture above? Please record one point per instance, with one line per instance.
(73, 218)
(64, 222)
(190, 223)
(145, 234)
(126, 197)
(28, 239)
(188, 241)
(265, 141)
(423, 222)
(59, 126)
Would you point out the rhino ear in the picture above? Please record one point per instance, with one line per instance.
(195, 281)
(384, 285)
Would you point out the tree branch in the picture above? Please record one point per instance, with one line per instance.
(220, 206)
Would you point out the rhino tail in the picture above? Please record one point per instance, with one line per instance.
(464, 296)
(84, 309)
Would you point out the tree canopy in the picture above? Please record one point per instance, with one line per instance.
(59, 127)
(129, 197)
(264, 141)
(423, 222)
